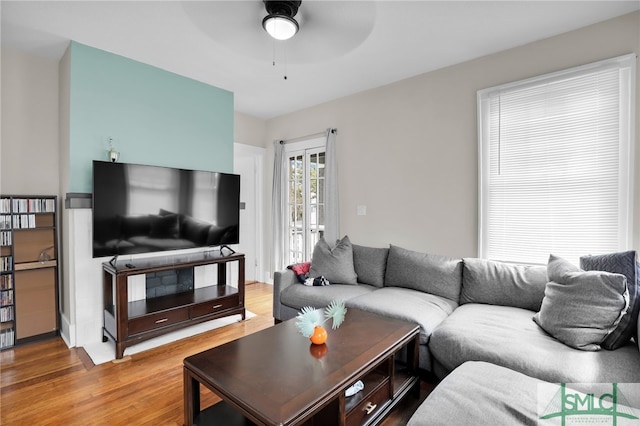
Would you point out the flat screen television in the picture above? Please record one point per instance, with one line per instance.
(142, 209)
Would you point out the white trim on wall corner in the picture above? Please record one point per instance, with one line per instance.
(67, 331)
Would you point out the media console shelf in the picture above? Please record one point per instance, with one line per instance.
(128, 323)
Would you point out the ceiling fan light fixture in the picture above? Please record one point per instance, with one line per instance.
(280, 27)
(279, 22)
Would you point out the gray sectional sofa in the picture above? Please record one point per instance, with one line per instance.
(478, 310)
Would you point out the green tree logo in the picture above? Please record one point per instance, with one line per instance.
(567, 403)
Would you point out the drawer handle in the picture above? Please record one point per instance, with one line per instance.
(162, 320)
(370, 407)
(217, 306)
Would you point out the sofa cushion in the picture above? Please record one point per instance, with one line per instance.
(335, 264)
(370, 264)
(507, 336)
(581, 308)
(424, 309)
(429, 273)
(464, 398)
(625, 263)
(299, 296)
(498, 283)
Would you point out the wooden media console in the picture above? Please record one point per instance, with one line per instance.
(130, 322)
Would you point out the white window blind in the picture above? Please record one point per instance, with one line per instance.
(556, 164)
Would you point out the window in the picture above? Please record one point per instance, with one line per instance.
(305, 199)
(556, 164)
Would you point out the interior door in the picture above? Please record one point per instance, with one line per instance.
(249, 164)
(245, 167)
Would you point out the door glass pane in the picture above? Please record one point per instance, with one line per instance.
(305, 203)
(321, 165)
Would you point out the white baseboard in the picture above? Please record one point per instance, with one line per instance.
(102, 352)
(67, 331)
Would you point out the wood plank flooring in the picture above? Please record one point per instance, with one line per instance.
(46, 383)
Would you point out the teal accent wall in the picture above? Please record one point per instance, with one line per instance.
(154, 117)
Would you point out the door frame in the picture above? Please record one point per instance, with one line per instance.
(257, 154)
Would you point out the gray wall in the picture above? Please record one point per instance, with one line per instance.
(29, 146)
(408, 151)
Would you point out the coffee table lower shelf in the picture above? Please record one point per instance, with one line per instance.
(223, 413)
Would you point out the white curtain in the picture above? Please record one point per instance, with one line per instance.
(331, 208)
(277, 208)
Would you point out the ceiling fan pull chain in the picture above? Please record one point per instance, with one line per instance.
(285, 62)
(274, 52)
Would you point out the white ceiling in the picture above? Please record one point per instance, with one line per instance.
(342, 47)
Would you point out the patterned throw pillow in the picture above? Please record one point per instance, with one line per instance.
(301, 270)
(625, 263)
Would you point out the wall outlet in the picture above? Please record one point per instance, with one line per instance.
(361, 211)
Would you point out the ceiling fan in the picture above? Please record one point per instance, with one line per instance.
(324, 30)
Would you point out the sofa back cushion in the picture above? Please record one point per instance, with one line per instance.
(503, 284)
(370, 264)
(430, 273)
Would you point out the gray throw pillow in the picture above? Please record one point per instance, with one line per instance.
(335, 264)
(503, 284)
(625, 263)
(370, 264)
(429, 273)
(581, 308)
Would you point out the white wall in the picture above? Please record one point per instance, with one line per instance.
(408, 151)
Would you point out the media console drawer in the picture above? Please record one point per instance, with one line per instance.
(157, 320)
(213, 306)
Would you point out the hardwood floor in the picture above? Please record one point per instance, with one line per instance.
(47, 383)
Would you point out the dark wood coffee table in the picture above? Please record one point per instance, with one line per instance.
(277, 377)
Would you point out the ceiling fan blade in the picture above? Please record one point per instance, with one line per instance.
(328, 29)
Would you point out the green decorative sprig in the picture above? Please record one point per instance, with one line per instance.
(308, 317)
(336, 311)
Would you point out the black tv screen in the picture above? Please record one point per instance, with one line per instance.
(141, 209)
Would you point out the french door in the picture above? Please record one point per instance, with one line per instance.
(305, 203)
